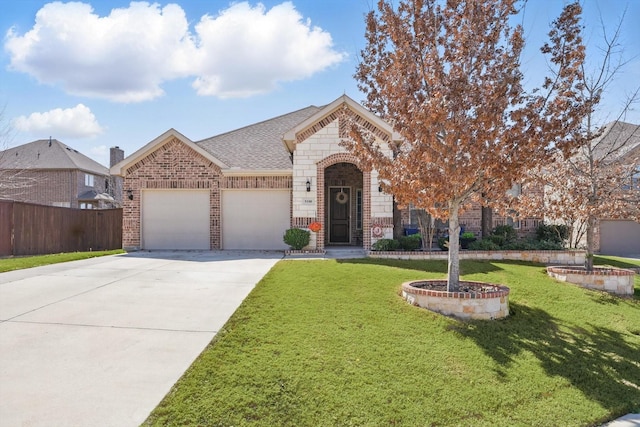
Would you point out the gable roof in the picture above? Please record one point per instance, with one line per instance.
(617, 140)
(290, 138)
(159, 141)
(258, 146)
(48, 154)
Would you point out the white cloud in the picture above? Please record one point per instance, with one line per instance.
(127, 55)
(76, 122)
(123, 57)
(247, 50)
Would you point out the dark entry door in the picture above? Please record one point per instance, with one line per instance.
(339, 215)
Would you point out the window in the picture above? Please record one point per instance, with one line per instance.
(88, 180)
(86, 206)
(635, 180)
(359, 209)
(515, 191)
(515, 223)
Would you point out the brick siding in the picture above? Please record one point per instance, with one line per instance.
(173, 165)
(53, 187)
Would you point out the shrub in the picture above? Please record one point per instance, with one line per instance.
(410, 243)
(547, 245)
(552, 233)
(386, 245)
(504, 234)
(483, 245)
(443, 243)
(296, 238)
(467, 235)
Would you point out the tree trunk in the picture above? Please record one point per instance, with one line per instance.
(426, 225)
(453, 267)
(591, 225)
(486, 221)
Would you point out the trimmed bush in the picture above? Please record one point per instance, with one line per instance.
(296, 238)
(411, 242)
(386, 245)
(483, 245)
(546, 245)
(504, 235)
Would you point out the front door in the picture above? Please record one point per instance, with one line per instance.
(339, 215)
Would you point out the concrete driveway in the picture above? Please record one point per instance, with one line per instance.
(100, 342)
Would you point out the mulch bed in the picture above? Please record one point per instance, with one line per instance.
(464, 287)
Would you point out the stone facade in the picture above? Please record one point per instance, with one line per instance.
(614, 280)
(543, 257)
(320, 160)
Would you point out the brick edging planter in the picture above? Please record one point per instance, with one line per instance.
(464, 305)
(543, 257)
(618, 281)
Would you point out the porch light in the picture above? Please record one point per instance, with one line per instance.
(308, 185)
(130, 194)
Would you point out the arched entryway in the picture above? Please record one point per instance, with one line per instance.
(343, 205)
(343, 202)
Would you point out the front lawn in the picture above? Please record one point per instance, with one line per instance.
(17, 263)
(616, 261)
(331, 343)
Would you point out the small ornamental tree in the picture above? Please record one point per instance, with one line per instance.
(14, 182)
(599, 178)
(447, 76)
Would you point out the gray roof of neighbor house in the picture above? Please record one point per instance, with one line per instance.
(617, 140)
(48, 154)
(258, 146)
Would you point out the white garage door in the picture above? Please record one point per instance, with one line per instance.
(175, 219)
(619, 237)
(255, 219)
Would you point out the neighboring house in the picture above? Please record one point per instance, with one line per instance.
(49, 172)
(620, 236)
(244, 188)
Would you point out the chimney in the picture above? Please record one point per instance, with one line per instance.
(116, 155)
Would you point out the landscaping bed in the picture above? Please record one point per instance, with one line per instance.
(615, 280)
(473, 300)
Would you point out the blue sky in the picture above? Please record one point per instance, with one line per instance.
(103, 73)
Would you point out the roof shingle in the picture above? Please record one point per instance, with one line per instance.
(48, 154)
(258, 146)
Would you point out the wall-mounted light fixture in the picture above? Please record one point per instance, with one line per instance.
(130, 194)
(308, 185)
(379, 189)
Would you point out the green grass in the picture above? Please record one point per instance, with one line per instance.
(17, 263)
(331, 343)
(616, 261)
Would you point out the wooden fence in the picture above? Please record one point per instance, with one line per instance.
(28, 229)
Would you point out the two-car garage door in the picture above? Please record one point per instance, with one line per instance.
(180, 219)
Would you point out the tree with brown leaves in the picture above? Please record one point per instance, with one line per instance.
(596, 180)
(447, 77)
